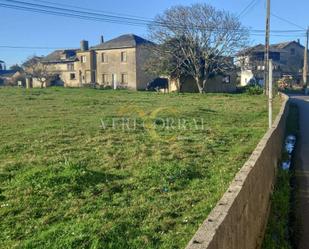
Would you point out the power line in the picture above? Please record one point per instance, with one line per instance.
(282, 35)
(38, 8)
(242, 13)
(31, 47)
(118, 20)
(247, 8)
(65, 48)
(62, 48)
(94, 10)
(287, 21)
(68, 13)
(76, 11)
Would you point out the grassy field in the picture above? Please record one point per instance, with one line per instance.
(70, 178)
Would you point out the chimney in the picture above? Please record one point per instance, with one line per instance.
(298, 41)
(84, 45)
(102, 39)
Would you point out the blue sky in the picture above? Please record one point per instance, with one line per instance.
(21, 28)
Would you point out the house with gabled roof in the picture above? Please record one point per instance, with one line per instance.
(116, 63)
(62, 63)
(8, 77)
(120, 62)
(287, 57)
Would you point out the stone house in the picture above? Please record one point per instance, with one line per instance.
(62, 63)
(287, 57)
(84, 66)
(9, 77)
(120, 62)
(115, 63)
(75, 67)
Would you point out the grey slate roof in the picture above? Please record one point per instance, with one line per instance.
(123, 41)
(260, 48)
(56, 56)
(283, 45)
(279, 47)
(7, 73)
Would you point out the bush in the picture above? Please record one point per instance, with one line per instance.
(89, 85)
(254, 90)
(103, 87)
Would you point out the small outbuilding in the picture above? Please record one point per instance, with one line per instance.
(221, 83)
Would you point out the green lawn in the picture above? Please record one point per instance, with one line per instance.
(70, 179)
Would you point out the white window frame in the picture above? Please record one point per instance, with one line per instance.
(83, 59)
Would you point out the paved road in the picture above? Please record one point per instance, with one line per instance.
(302, 168)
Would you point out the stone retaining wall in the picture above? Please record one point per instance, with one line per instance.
(239, 219)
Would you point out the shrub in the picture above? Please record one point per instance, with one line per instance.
(254, 90)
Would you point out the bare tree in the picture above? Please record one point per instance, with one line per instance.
(197, 41)
(42, 72)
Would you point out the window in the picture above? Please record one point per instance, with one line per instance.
(124, 78)
(83, 58)
(275, 56)
(260, 68)
(71, 67)
(123, 56)
(104, 58)
(226, 79)
(292, 51)
(105, 78)
(72, 76)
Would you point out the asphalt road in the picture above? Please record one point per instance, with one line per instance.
(302, 168)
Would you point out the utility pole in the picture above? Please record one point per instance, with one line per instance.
(267, 45)
(305, 70)
(270, 95)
